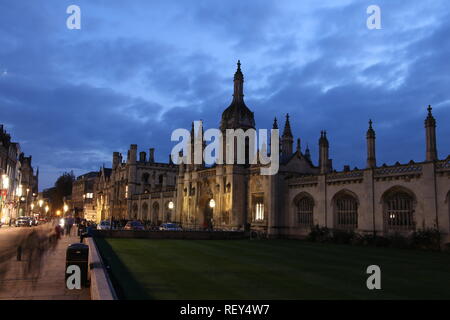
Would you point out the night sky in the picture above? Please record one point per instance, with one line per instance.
(139, 69)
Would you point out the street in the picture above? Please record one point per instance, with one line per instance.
(40, 273)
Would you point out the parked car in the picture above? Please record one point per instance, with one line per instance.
(134, 225)
(24, 222)
(104, 225)
(170, 227)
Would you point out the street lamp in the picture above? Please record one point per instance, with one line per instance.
(46, 209)
(41, 202)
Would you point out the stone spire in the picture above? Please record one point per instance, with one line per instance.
(238, 94)
(237, 115)
(287, 140)
(323, 152)
(430, 135)
(370, 138)
(287, 127)
(275, 124)
(298, 146)
(307, 153)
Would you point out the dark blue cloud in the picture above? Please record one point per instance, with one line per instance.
(138, 70)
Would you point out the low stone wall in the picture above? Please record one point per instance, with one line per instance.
(185, 235)
(101, 287)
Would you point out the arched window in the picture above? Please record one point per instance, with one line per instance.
(145, 211)
(258, 208)
(155, 213)
(135, 210)
(304, 210)
(346, 212)
(399, 211)
(145, 177)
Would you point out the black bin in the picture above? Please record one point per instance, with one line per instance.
(78, 254)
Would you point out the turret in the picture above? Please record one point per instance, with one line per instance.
(287, 140)
(142, 156)
(307, 153)
(430, 135)
(132, 154)
(370, 138)
(324, 162)
(116, 160)
(151, 155)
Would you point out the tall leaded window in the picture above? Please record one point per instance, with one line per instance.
(399, 212)
(346, 212)
(305, 208)
(259, 211)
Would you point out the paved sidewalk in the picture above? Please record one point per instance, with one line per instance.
(50, 285)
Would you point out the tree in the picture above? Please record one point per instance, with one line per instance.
(63, 188)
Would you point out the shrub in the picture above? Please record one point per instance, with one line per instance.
(428, 239)
(319, 234)
(447, 247)
(343, 236)
(379, 241)
(398, 240)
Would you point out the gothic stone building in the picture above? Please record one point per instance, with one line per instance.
(381, 199)
(136, 188)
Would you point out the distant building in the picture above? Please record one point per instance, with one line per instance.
(82, 199)
(18, 184)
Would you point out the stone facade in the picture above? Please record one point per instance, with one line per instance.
(18, 183)
(377, 199)
(82, 198)
(136, 189)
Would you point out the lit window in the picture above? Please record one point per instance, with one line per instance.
(259, 216)
(399, 213)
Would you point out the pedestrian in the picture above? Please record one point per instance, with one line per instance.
(69, 222)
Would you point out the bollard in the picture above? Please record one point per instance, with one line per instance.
(19, 253)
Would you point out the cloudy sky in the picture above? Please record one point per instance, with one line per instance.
(139, 69)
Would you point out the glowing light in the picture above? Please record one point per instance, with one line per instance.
(66, 208)
(171, 205)
(41, 202)
(5, 182)
(61, 222)
(212, 203)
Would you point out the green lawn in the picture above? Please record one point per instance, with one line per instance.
(276, 269)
